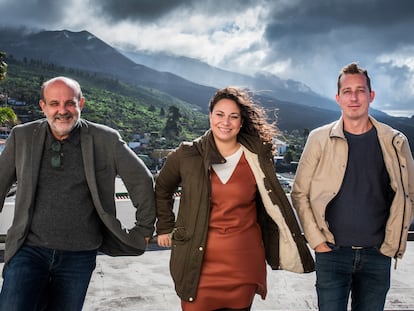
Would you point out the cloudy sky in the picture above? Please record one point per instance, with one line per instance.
(304, 40)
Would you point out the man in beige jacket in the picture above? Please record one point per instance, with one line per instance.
(354, 192)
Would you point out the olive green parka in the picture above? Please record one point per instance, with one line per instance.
(189, 167)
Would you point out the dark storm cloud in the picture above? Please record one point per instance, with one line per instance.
(34, 13)
(145, 10)
(323, 36)
(304, 40)
(315, 16)
(343, 21)
(401, 75)
(150, 10)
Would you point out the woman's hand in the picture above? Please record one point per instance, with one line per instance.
(164, 240)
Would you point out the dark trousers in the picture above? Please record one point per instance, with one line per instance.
(365, 273)
(39, 278)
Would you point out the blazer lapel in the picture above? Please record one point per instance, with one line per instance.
(38, 142)
(89, 163)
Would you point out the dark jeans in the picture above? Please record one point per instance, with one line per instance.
(39, 278)
(363, 272)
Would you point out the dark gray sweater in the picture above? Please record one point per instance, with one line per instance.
(64, 216)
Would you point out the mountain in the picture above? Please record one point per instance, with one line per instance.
(84, 51)
(263, 83)
(192, 81)
(202, 73)
(297, 105)
(187, 79)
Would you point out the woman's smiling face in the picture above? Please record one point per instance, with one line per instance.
(225, 120)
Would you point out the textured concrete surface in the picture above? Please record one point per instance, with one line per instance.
(144, 283)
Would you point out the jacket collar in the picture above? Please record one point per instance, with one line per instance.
(208, 149)
(337, 129)
(384, 131)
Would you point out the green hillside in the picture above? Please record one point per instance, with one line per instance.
(131, 109)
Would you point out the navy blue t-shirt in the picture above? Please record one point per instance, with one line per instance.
(357, 215)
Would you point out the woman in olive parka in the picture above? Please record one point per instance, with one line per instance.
(233, 214)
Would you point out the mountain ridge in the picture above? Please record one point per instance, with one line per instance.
(83, 50)
(202, 73)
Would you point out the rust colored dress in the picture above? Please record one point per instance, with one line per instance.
(234, 267)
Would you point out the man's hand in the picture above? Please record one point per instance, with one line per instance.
(323, 248)
(164, 240)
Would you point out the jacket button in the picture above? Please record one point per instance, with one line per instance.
(200, 248)
(190, 299)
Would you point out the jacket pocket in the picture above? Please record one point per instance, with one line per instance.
(179, 234)
(179, 253)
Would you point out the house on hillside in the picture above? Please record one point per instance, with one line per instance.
(6, 100)
(2, 143)
(4, 132)
(14, 102)
(280, 146)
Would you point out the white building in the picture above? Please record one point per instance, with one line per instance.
(280, 146)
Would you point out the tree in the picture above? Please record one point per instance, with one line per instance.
(288, 156)
(3, 66)
(7, 117)
(172, 129)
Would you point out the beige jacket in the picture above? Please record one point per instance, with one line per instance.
(320, 173)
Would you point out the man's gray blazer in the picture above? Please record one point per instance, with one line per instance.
(105, 156)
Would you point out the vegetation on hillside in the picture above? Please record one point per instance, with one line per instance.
(7, 116)
(3, 66)
(132, 109)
